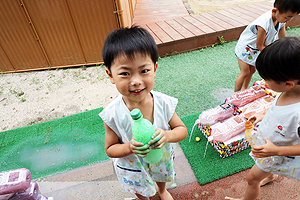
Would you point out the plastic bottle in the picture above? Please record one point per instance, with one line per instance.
(217, 114)
(259, 106)
(255, 138)
(227, 129)
(6, 196)
(246, 96)
(142, 130)
(14, 181)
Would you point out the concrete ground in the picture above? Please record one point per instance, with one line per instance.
(99, 181)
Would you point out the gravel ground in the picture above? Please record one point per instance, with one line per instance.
(33, 97)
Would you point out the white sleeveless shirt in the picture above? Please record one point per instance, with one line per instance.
(281, 125)
(134, 174)
(246, 49)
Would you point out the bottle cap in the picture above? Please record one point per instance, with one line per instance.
(248, 125)
(136, 114)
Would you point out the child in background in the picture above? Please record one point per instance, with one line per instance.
(130, 56)
(279, 65)
(260, 33)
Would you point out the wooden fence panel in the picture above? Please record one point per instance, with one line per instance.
(19, 48)
(93, 22)
(4, 62)
(42, 34)
(54, 27)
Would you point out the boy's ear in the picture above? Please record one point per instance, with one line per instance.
(289, 84)
(274, 10)
(110, 76)
(155, 68)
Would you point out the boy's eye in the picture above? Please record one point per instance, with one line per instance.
(145, 70)
(124, 73)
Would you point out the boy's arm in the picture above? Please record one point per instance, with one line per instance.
(261, 36)
(115, 149)
(270, 149)
(177, 133)
(282, 32)
(178, 130)
(289, 150)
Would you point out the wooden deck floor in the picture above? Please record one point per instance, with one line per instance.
(175, 31)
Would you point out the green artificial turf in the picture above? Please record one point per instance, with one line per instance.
(54, 146)
(211, 167)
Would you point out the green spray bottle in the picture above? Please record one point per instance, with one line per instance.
(142, 130)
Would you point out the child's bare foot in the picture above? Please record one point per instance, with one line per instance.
(268, 179)
(142, 197)
(165, 195)
(230, 198)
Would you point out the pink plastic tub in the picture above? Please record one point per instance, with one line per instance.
(30, 193)
(14, 181)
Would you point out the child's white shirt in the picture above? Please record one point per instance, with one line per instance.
(134, 174)
(281, 125)
(246, 49)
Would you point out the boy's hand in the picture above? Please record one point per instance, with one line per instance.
(139, 148)
(266, 150)
(256, 118)
(159, 139)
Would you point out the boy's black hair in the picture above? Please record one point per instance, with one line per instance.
(280, 61)
(284, 6)
(128, 42)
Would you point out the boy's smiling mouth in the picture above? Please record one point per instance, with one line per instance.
(137, 92)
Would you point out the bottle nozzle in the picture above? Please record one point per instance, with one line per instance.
(248, 125)
(136, 113)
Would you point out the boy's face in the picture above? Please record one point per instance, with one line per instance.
(283, 17)
(276, 86)
(282, 86)
(134, 78)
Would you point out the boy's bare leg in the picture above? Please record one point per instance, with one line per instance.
(268, 179)
(245, 71)
(247, 80)
(254, 177)
(163, 192)
(142, 197)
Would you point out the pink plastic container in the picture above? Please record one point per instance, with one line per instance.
(229, 128)
(259, 106)
(6, 196)
(244, 97)
(217, 114)
(14, 181)
(30, 193)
